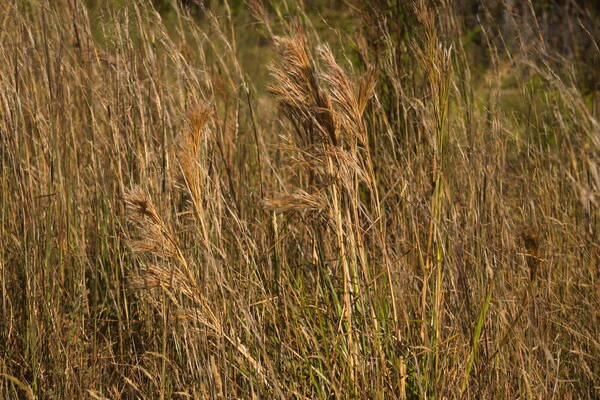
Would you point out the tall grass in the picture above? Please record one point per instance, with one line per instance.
(272, 201)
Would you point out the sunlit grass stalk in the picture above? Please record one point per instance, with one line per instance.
(436, 60)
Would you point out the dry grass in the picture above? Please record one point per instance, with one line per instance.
(259, 201)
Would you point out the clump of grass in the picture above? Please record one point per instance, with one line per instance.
(390, 202)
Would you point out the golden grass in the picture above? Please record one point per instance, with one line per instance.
(390, 202)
